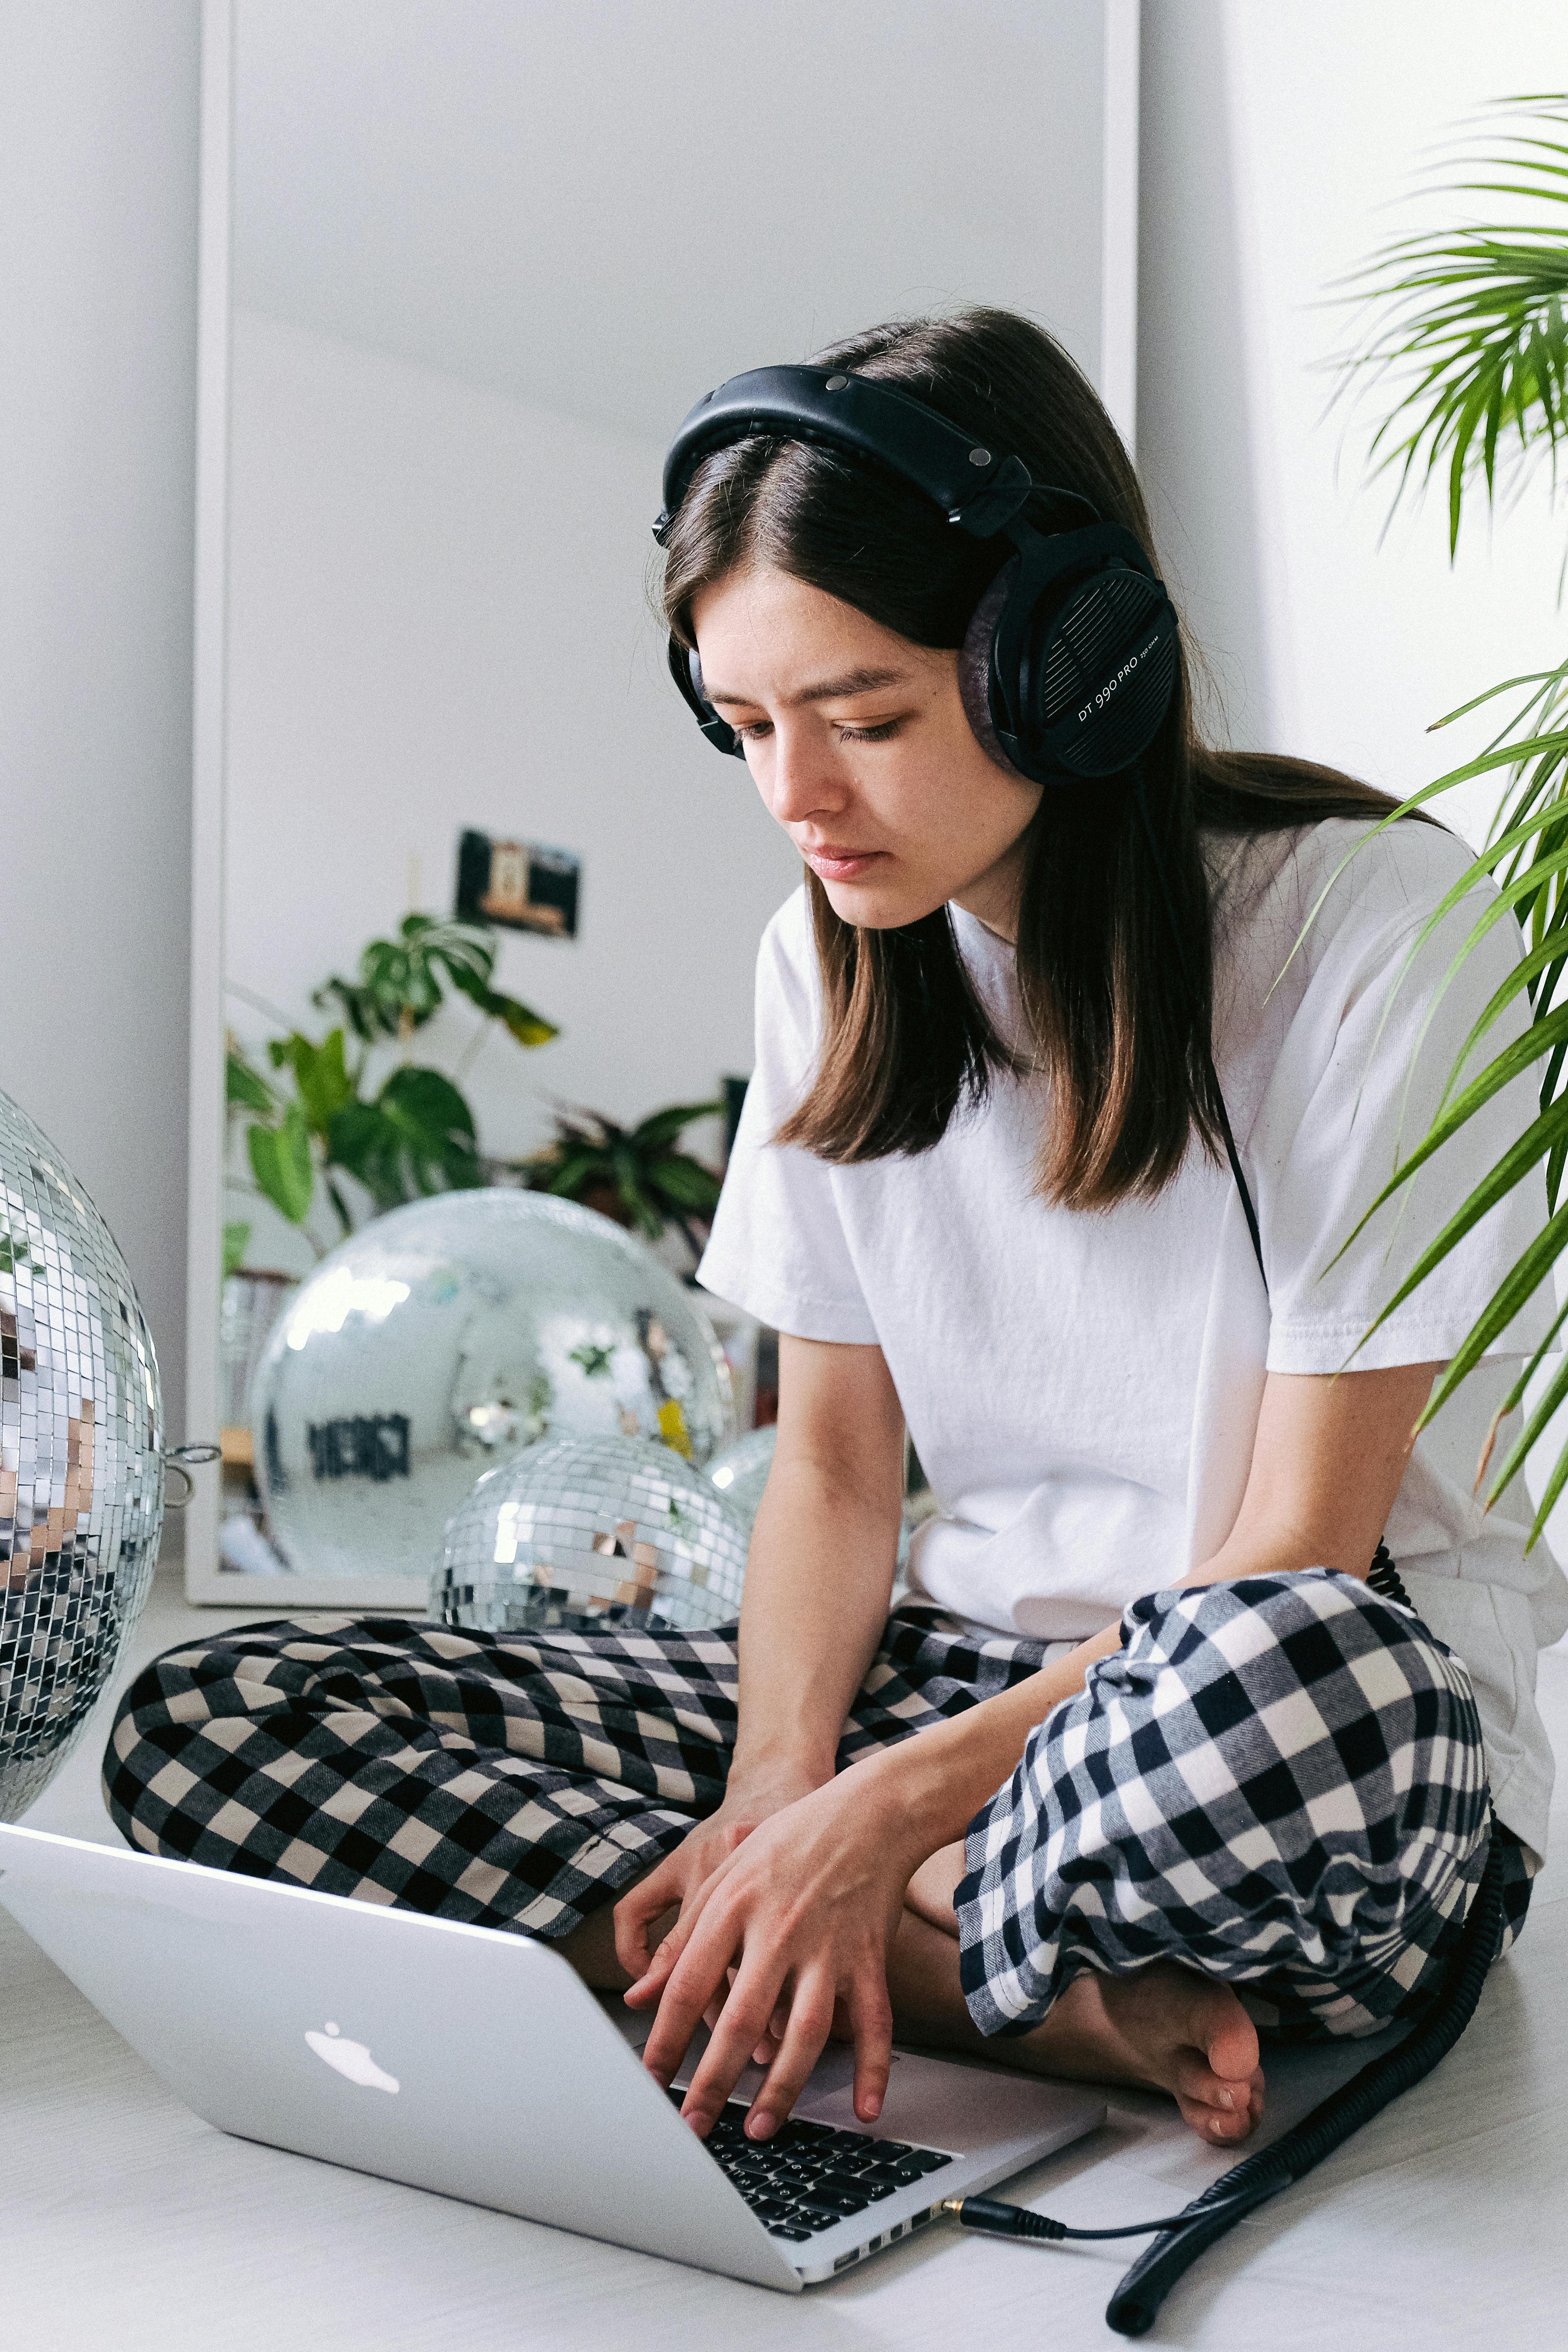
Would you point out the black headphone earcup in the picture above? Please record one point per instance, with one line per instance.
(1103, 669)
(974, 665)
(1071, 659)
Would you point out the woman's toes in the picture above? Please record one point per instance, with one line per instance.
(1194, 2081)
(1225, 2034)
(1215, 2124)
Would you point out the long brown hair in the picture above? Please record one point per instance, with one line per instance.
(1118, 1016)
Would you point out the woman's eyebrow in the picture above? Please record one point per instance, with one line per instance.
(827, 689)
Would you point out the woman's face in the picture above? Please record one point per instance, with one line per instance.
(857, 742)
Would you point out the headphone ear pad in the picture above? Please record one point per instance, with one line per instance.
(974, 665)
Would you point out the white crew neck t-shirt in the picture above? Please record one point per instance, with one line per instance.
(1082, 1388)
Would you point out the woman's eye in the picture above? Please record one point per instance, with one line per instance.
(868, 734)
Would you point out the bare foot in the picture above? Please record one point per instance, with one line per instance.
(1162, 2025)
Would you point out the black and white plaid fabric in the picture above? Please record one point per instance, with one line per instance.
(517, 1781)
(1279, 1782)
(512, 1781)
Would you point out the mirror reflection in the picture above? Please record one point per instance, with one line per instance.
(490, 906)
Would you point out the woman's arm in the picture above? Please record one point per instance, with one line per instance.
(813, 1900)
(818, 1579)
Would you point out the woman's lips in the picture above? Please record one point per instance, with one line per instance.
(837, 865)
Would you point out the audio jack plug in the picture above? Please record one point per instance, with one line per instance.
(1017, 2221)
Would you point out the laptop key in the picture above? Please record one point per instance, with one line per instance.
(837, 2201)
(788, 2230)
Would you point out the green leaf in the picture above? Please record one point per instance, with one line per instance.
(528, 1027)
(1466, 324)
(664, 1125)
(575, 1170)
(1498, 1180)
(644, 1216)
(1521, 1281)
(321, 1075)
(235, 1239)
(433, 1129)
(685, 1183)
(1509, 1065)
(281, 1163)
(246, 1088)
(1535, 1427)
(361, 1141)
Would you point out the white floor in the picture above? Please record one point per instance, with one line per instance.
(126, 2223)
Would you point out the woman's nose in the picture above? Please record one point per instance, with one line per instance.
(802, 783)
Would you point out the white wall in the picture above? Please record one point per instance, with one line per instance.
(603, 209)
(97, 202)
(438, 619)
(1278, 145)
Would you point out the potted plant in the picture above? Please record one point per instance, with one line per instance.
(316, 1117)
(1470, 326)
(636, 1175)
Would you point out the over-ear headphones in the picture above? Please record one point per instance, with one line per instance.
(1070, 660)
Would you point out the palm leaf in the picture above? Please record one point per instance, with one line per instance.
(1466, 348)
(1466, 324)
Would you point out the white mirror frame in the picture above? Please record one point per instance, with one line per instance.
(204, 1258)
(205, 1581)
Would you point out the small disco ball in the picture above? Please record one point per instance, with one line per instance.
(584, 1532)
(740, 1472)
(448, 1336)
(81, 1461)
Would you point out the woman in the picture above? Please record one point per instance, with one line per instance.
(1180, 1777)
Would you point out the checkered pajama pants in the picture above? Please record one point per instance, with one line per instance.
(1300, 1806)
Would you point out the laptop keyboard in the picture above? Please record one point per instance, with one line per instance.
(809, 2177)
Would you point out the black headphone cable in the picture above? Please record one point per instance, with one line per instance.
(1184, 2236)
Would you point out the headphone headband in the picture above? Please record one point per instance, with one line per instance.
(979, 490)
(1071, 656)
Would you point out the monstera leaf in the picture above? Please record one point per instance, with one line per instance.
(402, 982)
(416, 1137)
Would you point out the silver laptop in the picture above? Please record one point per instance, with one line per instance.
(477, 2064)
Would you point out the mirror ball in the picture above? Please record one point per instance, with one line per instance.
(579, 1534)
(81, 1464)
(447, 1337)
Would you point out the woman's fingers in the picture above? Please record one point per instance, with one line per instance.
(658, 1972)
(871, 2016)
(728, 2052)
(649, 1986)
(810, 2020)
(639, 1906)
(695, 1982)
(694, 1863)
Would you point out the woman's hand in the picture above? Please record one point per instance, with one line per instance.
(803, 1913)
(752, 1797)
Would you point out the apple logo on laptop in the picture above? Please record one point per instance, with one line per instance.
(350, 2058)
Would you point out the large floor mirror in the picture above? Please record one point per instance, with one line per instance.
(462, 865)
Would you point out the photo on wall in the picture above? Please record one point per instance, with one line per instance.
(520, 885)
